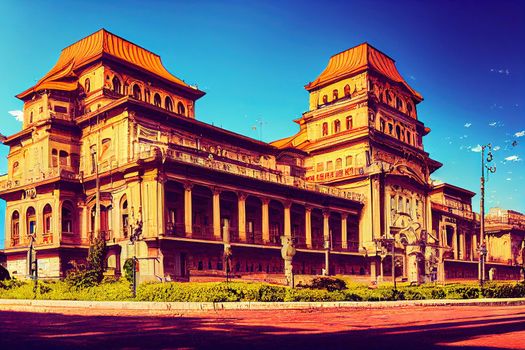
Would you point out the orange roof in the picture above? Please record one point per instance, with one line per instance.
(357, 59)
(94, 46)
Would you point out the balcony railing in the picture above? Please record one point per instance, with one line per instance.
(256, 173)
(40, 176)
(469, 215)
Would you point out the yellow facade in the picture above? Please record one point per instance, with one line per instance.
(109, 125)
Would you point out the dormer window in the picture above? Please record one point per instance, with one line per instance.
(156, 100)
(325, 129)
(335, 95)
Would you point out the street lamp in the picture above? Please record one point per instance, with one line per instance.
(133, 238)
(482, 244)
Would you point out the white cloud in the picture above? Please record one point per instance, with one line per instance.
(493, 124)
(520, 133)
(509, 179)
(476, 149)
(496, 148)
(513, 159)
(19, 115)
(467, 125)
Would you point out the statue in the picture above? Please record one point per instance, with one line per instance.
(287, 252)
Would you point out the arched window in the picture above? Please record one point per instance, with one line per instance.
(31, 221)
(54, 158)
(137, 92)
(30, 117)
(63, 155)
(325, 129)
(15, 228)
(349, 122)
(180, 108)
(325, 99)
(337, 126)
(399, 103)
(409, 137)
(67, 218)
(168, 104)
(335, 95)
(87, 85)
(382, 125)
(400, 208)
(124, 216)
(348, 161)
(116, 85)
(338, 163)
(329, 165)
(398, 131)
(347, 90)
(156, 100)
(48, 214)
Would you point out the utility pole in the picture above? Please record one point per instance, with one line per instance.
(482, 243)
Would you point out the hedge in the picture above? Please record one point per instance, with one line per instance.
(244, 291)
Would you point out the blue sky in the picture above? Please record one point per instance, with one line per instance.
(466, 58)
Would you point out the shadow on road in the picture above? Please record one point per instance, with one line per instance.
(24, 330)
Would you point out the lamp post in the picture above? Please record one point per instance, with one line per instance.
(482, 244)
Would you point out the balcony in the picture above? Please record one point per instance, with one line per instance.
(256, 172)
(468, 215)
(47, 238)
(54, 173)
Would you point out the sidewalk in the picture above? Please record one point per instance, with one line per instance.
(55, 305)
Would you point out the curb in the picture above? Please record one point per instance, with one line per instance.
(49, 305)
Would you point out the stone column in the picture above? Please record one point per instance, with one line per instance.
(287, 219)
(474, 247)
(188, 215)
(216, 213)
(161, 206)
(461, 252)
(326, 225)
(455, 243)
(265, 220)
(308, 226)
(344, 235)
(242, 216)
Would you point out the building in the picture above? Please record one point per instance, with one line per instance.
(110, 145)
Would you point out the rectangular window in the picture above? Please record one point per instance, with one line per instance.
(329, 165)
(320, 167)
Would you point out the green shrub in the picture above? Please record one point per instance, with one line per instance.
(271, 293)
(413, 294)
(493, 290)
(328, 283)
(462, 292)
(313, 295)
(128, 270)
(351, 296)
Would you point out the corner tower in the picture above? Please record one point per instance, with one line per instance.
(362, 133)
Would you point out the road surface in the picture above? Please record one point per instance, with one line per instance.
(416, 327)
